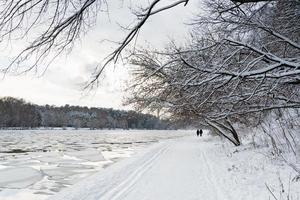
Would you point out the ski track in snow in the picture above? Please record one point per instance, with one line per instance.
(174, 169)
(221, 193)
(187, 168)
(126, 184)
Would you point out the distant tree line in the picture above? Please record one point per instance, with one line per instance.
(19, 113)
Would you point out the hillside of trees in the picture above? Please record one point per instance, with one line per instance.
(19, 113)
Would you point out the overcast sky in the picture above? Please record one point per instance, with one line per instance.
(63, 80)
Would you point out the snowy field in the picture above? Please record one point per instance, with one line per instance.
(35, 164)
(191, 168)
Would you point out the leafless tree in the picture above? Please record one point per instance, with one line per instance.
(239, 62)
(52, 26)
(58, 23)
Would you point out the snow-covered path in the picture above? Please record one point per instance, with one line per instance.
(181, 171)
(187, 168)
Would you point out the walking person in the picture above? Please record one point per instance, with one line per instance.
(198, 132)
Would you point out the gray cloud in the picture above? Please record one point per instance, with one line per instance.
(62, 82)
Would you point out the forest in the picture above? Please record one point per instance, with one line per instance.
(19, 113)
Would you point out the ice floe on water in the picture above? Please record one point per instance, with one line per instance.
(88, 155)
(20, 177)
(38, 163)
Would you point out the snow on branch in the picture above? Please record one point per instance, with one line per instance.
(230, 68)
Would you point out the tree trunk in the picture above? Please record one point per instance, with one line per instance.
(221, 129)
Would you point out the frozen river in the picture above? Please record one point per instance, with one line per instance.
(35, 164)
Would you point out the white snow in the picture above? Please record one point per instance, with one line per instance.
(136, 165)
(89, 155)
(189, 168)
(35, 164)
(19, 177)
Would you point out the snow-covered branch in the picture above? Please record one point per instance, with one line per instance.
(220, 75)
